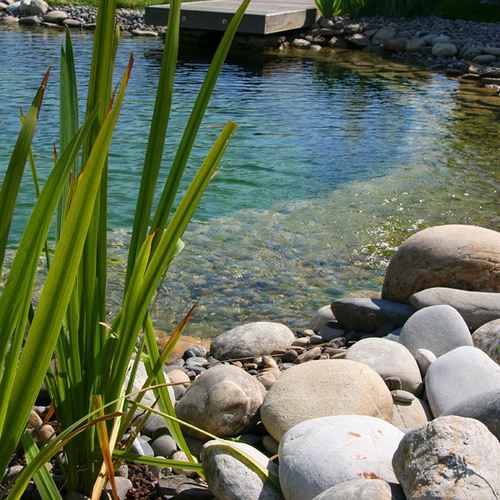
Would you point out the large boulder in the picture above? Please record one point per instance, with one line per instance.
(455, 256)
(459, 375)
(450, 457)
(253, 339)
(321, 453)
(224, 401)
(324, 388)
(388, 359)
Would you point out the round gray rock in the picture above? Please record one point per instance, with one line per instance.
(438, 329)
(323, 388)
(455, 256)
(224, 401)
(487, 338)
(251, 340)
(388, 359)
(444, 49)
(363, 489)
(230, 476)
(451, 457)
(459, 375)
(321, 453)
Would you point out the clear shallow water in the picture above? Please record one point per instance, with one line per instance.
(337, 159)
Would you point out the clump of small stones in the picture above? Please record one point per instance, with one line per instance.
(464, 49)
(73, 16)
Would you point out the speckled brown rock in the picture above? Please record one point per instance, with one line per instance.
(324, 388)
(455, 256)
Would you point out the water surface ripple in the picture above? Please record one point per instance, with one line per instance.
(337, 159)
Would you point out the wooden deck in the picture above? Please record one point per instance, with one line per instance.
(263, 17)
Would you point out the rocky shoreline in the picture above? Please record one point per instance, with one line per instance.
(463, 49)
(391, 397)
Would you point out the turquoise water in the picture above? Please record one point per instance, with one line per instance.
(337, 159)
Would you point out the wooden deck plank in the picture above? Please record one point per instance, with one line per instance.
(262, 17)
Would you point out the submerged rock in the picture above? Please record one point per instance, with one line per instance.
(251, 340)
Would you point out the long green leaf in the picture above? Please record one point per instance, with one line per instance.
(13, 176)
(157, 134)
(44, 483)
(68, 118)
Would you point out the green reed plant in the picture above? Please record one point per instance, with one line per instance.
(91, 359)
(328, 8)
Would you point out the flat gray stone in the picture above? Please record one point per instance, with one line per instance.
(369, 314)
(438, 329)
(444, 49)
(476, 308)
(459, 375)
(318, 454)
(383, 34)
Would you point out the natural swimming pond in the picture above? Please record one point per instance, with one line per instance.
(338, 158)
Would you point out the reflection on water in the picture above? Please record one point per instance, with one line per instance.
(337, 159)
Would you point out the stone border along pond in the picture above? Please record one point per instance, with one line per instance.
(392, 397)
(463, 49)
